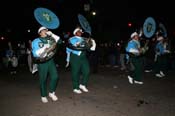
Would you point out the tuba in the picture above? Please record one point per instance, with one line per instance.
(87, 40)
(48, 19)
(84, 23)
(162, 29)
(87, 43)
(149, 27)
(148, 30)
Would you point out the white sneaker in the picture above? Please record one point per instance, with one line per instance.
(53, 96)
(162, 74)
(159, 75)
(130, 79)
(44, 99)
(82, 87)
(35, 68)
(148, 70)
(122, 68)
(138, 82)
(77, 91)
(34, 71)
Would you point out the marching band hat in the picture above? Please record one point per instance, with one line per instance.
(134, 34)
(76, 30)
(41, 28)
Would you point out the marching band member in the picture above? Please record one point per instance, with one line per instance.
(160, 57)
(79, 62)
(41, 48)
(134, 55)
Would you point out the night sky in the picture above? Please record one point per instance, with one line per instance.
(112, 16)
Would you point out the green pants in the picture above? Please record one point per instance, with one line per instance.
(138, 68)
(47, 69)
(79, 65)
(160, 64)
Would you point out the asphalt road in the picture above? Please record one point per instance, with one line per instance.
(110, 95)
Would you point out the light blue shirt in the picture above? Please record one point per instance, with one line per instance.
(73, 40)
(69, 51)
(133, 47)
(160, 48)
(36, 46)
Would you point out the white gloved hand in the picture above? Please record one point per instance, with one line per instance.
(56, 37)
(67, 64)
(93, 45)
(49, 33)
(167, 51)
(77, 44)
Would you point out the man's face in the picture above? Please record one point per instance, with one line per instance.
(136, 37)
(78, 33)
(43, 33)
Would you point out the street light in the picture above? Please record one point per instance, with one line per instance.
(28, 30)
(129, 24)
(2, 38)
(93, 13)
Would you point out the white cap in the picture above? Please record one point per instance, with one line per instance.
(160, 38)
(134, 34)
(41, 28)
(76, 30)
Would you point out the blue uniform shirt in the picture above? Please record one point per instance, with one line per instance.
(36, 46)
(73, 40)
(39, 45)
(160, 48)
(69, 51)
(133, 47)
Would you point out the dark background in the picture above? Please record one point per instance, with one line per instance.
(110, 23)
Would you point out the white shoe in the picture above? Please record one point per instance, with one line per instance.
(35, 68)
(130, 79)
(159, 75)
(77, 91)
(138, 82)
(122, 68)
(162, 74)
(148, 70)
(53, 96)
(82, 87)
(44, 99)
(34, 71)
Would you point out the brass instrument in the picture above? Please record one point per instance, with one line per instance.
(48, 19)
(48, 53)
